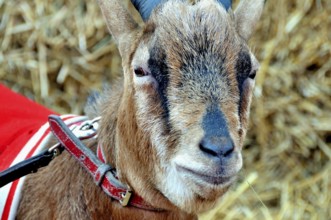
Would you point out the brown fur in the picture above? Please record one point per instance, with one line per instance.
(152, 126)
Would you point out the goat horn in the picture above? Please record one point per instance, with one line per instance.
(145, 7)
(226, 3)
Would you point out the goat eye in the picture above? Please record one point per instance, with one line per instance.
(252, 74)
(140, 72)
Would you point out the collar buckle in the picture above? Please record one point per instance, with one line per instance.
(125, 198)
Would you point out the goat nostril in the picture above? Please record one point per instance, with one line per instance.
(205, 147)
(228, 149)
(219, 149)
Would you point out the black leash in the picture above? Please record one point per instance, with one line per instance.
(30, 165)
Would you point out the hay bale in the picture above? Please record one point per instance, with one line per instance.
(53, 50)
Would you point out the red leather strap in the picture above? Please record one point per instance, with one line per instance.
(103, 174)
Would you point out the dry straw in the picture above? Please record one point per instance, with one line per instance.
(57, 51)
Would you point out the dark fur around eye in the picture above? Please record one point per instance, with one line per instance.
(243, 68)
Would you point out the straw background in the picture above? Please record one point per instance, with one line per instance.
(56, 52)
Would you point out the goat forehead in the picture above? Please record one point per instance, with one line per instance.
(199, 55)
(199, 36)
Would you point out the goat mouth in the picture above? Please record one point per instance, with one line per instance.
(214, 180)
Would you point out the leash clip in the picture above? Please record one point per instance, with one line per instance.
(86, 130)
(56, 150)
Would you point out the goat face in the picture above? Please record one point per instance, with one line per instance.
(191, 74)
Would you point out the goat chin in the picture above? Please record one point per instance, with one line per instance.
(196, 187)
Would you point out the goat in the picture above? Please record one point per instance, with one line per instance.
(175, 127)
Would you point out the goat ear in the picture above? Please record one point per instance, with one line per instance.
(118, 20)
(145, 7)
(247, 15)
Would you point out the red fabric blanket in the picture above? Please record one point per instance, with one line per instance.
(20, 118)
(24, 132)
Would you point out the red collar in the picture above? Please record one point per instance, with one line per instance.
(103, 174)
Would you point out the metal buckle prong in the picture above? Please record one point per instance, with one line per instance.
(125, 198)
